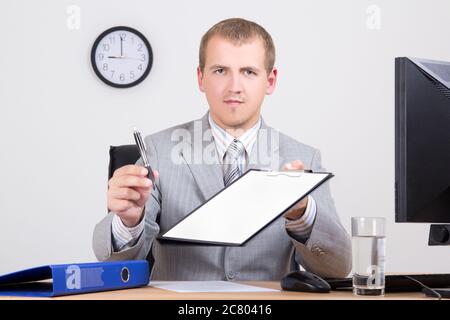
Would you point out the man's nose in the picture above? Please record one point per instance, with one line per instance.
(235, 84)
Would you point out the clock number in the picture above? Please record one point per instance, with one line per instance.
(105, 66)
(123, 36)
(142, 57)
(132, 75)
(112, 73)
(101, 56)
(105, 47)
(140, 67)
(132, 40)
(140, 45)
(122, 77)
(112, 40)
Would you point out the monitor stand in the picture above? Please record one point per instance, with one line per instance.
(439, 235)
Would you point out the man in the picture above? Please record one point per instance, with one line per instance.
(236, 70)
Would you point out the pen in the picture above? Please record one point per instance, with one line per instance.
(142, 150)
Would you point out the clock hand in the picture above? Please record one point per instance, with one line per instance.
(130, 58)
(121, 46)
(123, 57)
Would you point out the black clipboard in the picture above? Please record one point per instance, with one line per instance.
(208, 225)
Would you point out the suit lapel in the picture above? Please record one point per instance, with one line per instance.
(265, 154)
(203, 160)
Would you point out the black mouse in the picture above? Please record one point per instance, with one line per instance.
(304, 281)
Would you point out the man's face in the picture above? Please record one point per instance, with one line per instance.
(235, 81)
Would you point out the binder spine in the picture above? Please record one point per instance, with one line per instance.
(94, 277)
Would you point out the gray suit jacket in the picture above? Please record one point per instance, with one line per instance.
(190, 174)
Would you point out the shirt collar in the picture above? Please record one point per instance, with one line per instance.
(223, 139)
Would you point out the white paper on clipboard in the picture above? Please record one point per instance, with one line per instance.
(245, 207)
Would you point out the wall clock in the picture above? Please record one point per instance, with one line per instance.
(121, 57)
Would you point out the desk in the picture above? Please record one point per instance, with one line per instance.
(150, 293)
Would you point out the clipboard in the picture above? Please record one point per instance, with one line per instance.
(241, 210)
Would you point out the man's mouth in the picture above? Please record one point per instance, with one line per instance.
(233, 102)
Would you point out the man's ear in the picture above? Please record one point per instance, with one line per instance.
(271, 81)
(200, 79)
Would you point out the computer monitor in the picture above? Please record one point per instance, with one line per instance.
(422, 142)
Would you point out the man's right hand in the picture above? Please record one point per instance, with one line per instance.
(129, 189)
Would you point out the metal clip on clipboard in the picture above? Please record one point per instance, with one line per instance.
(292, 173)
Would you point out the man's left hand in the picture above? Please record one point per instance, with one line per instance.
(298, 210)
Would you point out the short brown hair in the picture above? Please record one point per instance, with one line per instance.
(239, 31)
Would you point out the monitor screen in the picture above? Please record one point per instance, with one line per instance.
(422, 140)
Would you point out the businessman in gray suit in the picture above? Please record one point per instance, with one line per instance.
(195, 160)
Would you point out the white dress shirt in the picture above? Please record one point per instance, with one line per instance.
(124, 237)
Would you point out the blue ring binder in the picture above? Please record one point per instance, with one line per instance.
(68, 279)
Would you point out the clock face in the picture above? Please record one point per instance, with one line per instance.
(121, 57)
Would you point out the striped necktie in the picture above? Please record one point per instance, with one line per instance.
(231, 162)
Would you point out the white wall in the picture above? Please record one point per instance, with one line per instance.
(335, 92)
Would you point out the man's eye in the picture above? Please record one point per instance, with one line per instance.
(249, 72)
(218, 71)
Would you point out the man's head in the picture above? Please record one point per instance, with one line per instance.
(236, 70)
